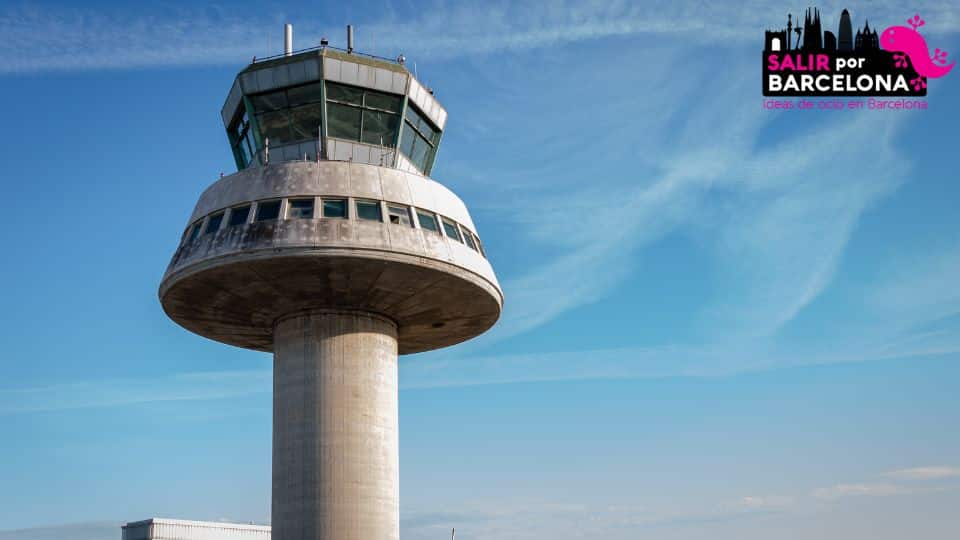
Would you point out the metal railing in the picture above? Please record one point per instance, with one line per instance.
(320, 48)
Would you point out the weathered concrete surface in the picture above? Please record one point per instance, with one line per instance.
(335, 428)
(339, 178)
(232, 285)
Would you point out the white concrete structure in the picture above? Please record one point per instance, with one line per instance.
(181, 529)
(333, 249)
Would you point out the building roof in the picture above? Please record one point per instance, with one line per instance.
(192, 523)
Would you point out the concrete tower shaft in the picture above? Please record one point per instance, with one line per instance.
(333, 249)
(335, 439)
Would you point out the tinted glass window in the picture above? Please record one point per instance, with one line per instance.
(239, 215)
(364, 115)
(421, 151)
(309, 93)
(268, 210)
(274, 101)
(369, 210)
(450, 228)
(387, 102)
(275, 126)
(423, 125)
(344, 94)
(245, 154)
(241, 137)
(343, 121)
(305, 121)
(379, 128)
(399, 215)
(419, 139)
(427, 221)
(335, 208)
(300, 209)
(213, 224)
(408, 140)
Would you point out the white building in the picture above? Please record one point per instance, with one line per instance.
(181, 529)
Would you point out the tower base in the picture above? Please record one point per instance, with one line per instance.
(335, 427)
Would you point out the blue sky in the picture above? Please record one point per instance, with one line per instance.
(721, 322)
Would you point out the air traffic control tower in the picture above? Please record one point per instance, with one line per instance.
(332, 248)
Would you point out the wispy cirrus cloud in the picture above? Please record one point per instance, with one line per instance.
(859, 490)
(130, 391)
(774, 221)
(96, 530)
(925, 473)
(566, 519)
(60, 38)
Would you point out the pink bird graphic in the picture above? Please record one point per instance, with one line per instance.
(909, 42)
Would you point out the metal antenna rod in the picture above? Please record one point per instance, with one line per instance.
(288, 39)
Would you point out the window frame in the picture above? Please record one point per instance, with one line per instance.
(406, 212)
(420, 212)
(242, 139)
(364, 107)
(218, 216)
(233, 211)
(444, 222)
(346, 207)
(193, 231)
(291, 206)
(369, 203)
(288, 110)
(260, 204)
(468, 238)
(413, 117)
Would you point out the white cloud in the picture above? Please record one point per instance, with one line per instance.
(925, 473)
(763, 503)
(75, 531)
(129, 391)
(58, 38)
(859, 490)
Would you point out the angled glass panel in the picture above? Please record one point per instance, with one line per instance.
(244, 152)
(420, 152)
(308, 93)
(275, 126)
(380, 128)
(343, 121)
(408, 140)
(272, 101)
(385, 102)
(344, 94)
(305, 121)
(420, 122)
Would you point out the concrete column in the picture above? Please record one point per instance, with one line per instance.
(335, 423)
